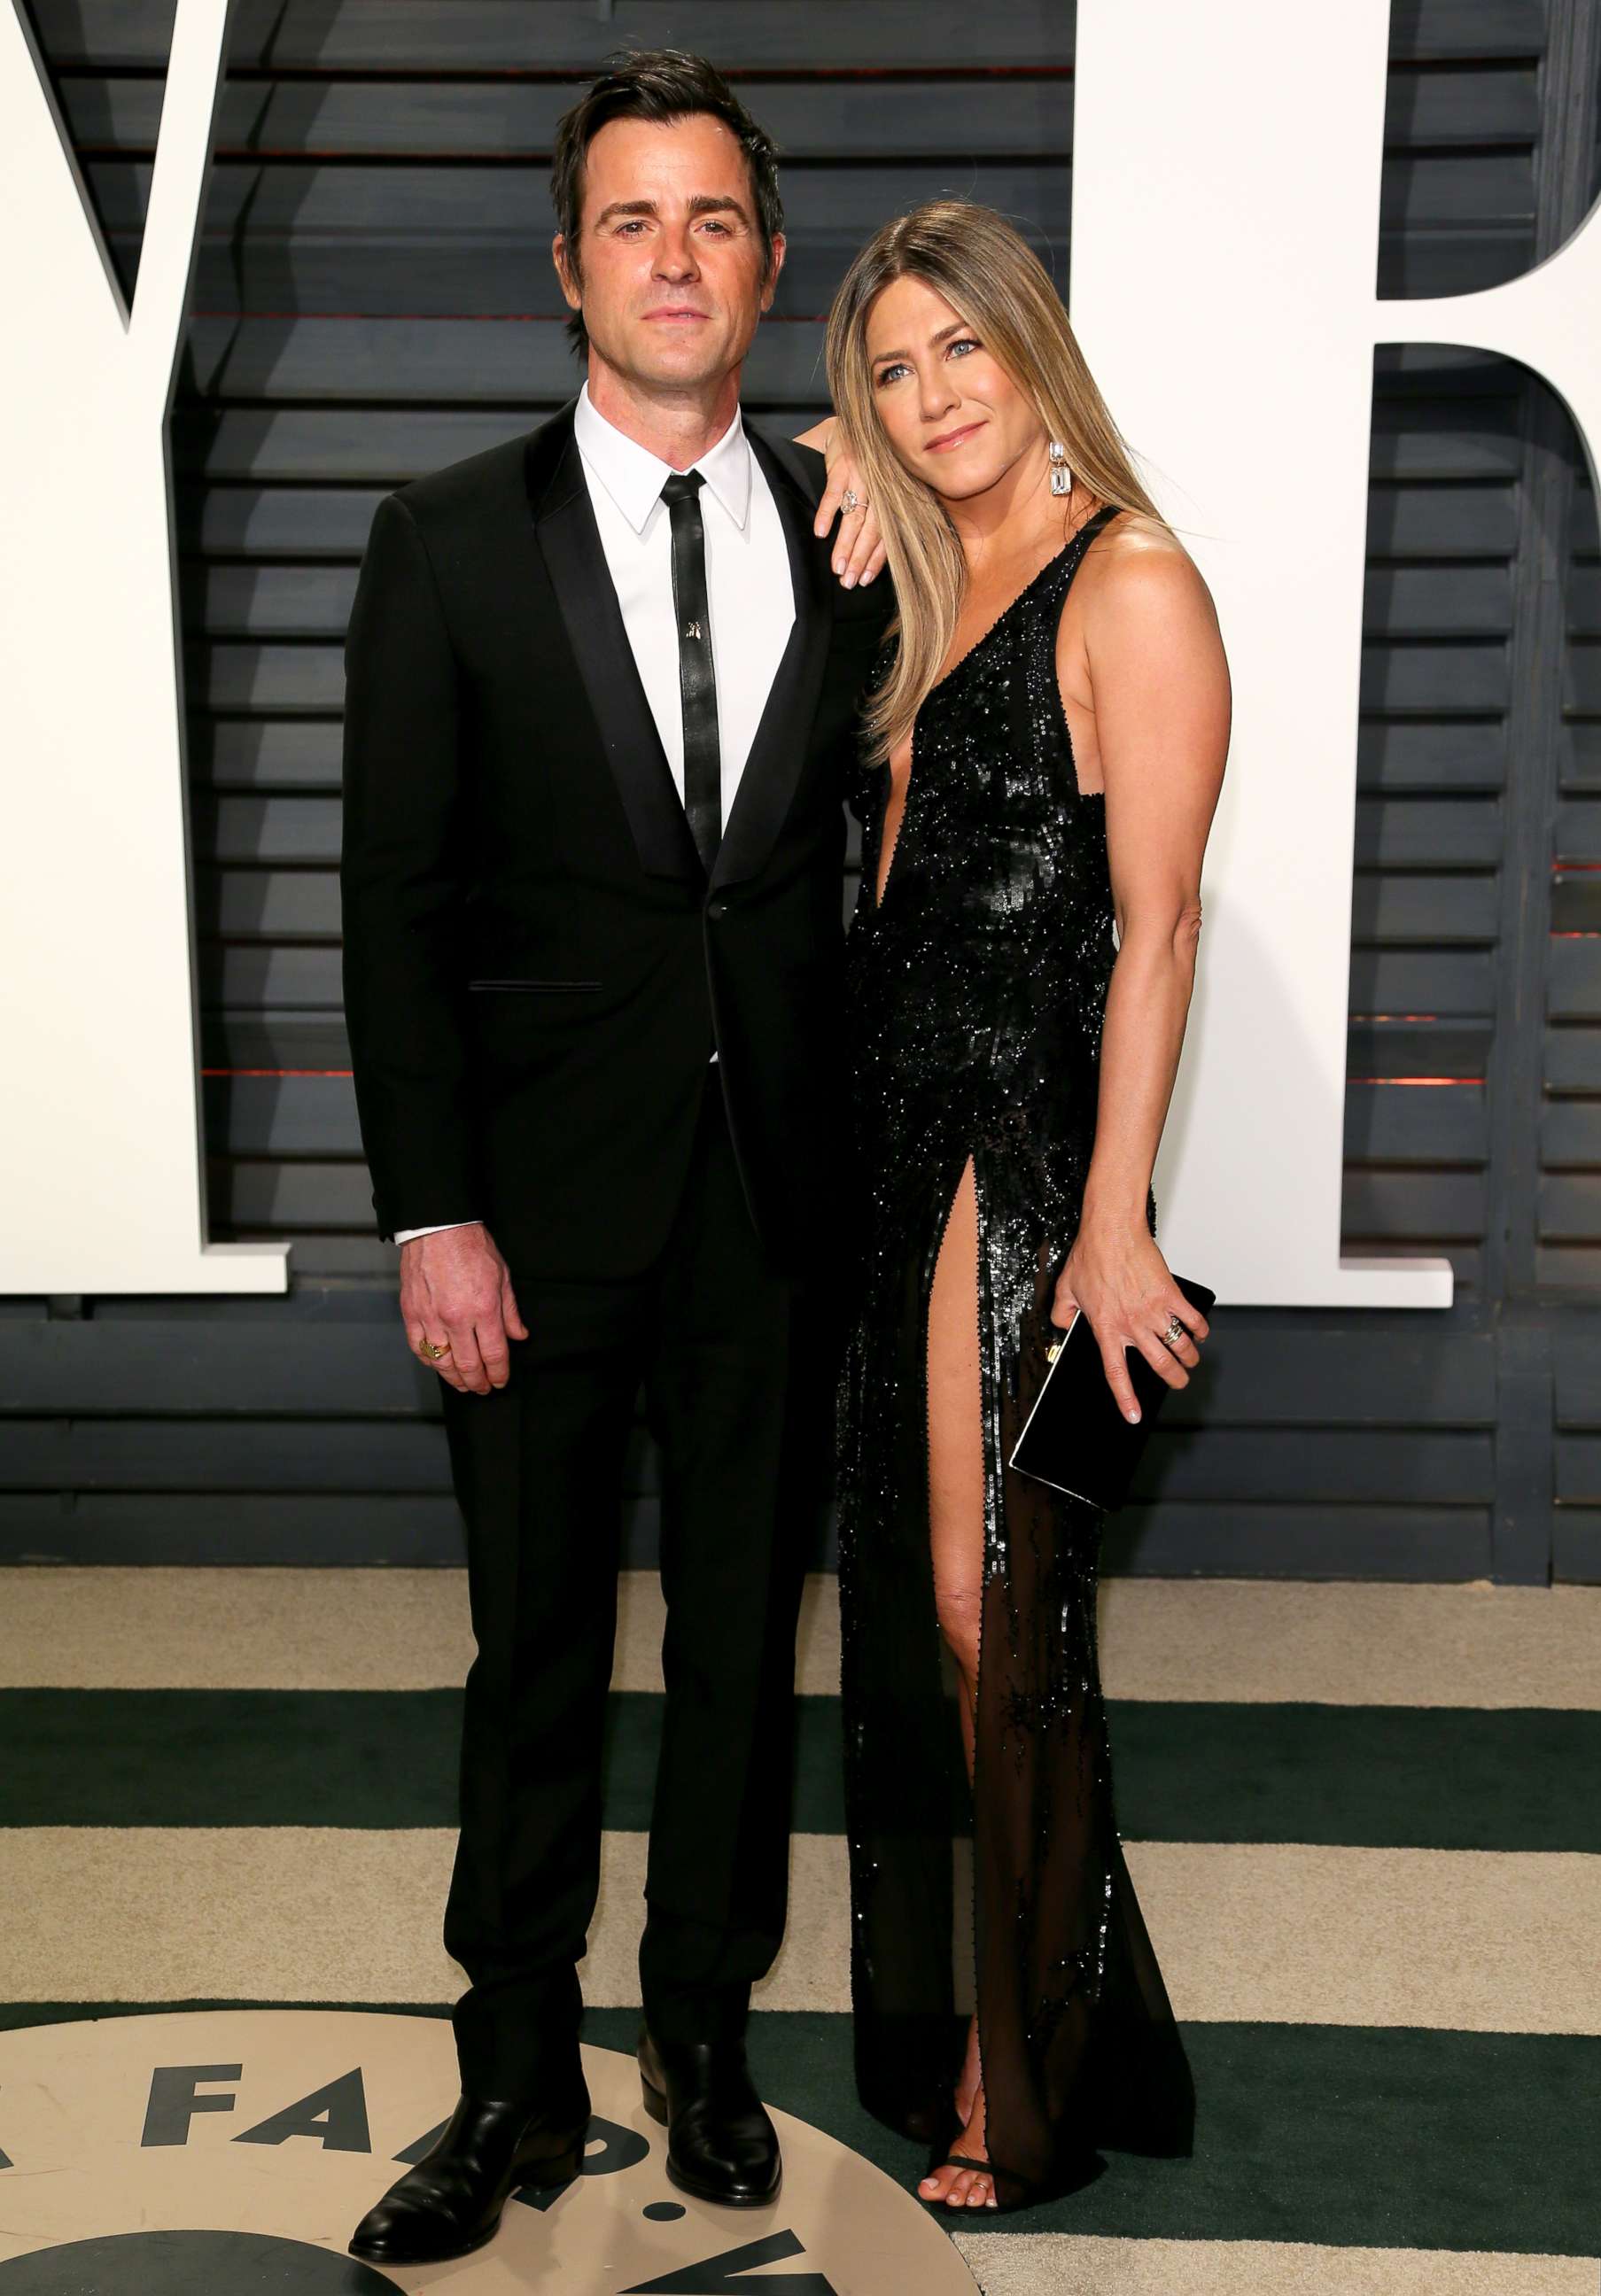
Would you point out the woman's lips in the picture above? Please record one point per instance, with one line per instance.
(952, 439)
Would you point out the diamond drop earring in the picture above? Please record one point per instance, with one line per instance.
(1061, 478)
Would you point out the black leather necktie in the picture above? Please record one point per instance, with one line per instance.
(697, 680)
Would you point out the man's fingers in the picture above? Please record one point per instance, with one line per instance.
(416, 1338)
(493, 1351)
(511, 1315)
(478, 1357)
(466, 1356)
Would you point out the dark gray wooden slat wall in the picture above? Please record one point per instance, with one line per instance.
(375, 300)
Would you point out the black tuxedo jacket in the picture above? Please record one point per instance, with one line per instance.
(536, 968)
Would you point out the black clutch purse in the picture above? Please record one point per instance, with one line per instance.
(1076, 1437)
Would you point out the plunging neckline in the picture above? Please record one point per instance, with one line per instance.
(960, 663)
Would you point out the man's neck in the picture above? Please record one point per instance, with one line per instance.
(677, 427)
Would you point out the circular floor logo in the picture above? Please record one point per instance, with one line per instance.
(235, 2150)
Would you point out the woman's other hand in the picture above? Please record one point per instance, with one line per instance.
(1119, 1279)
(859, 550)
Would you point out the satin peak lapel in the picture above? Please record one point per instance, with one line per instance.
(569, 541)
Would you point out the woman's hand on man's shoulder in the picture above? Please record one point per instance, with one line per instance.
(859, 550)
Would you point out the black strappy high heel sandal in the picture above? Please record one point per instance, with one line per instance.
(1071, 2178)
(962, 2161)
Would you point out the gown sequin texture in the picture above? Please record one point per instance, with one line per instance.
(975, 1002)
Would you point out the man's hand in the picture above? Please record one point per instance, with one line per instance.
(455, 1287)
(859, 550)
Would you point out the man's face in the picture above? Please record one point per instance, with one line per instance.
(668, 253)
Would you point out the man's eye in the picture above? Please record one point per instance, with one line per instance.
(721, 228)
(624, 230)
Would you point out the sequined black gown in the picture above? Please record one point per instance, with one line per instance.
(975, 1002)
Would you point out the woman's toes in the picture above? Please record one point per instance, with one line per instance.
(978, 2193)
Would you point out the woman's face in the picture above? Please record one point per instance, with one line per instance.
(951, 412)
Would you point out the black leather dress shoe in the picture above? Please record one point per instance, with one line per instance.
(451, 2202)
(720, 2144)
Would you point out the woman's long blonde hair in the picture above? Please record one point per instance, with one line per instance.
(992, 277)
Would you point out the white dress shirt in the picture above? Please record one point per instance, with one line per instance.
(749, 588)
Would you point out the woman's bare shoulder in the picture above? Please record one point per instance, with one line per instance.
(1137, 567)
(1132, 538)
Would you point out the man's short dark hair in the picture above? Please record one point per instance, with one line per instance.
(664, 84)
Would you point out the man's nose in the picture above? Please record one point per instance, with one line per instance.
(676, 255)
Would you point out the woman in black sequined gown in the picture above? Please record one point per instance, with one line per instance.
(1002, 1175)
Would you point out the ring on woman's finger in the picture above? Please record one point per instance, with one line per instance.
(850, 500)
(1172, 1332)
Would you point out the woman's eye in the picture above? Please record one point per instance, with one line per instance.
(961, 343)
(889, 373)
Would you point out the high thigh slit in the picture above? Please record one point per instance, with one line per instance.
(955, 1444)
(975, 1000)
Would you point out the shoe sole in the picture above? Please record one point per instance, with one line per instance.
(655, 2105)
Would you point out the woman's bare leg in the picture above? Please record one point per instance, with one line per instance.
(956, 1490)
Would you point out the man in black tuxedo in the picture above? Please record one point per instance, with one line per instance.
(601, 685)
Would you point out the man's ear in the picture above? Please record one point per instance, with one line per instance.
(569, 289)
(770, 286)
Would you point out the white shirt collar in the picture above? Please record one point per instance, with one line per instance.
(634, 477)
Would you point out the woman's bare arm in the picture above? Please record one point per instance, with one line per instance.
(1158, 684)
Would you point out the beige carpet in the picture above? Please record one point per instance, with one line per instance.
(1161, 1638)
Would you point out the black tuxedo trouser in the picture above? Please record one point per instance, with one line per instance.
(734, 1384)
